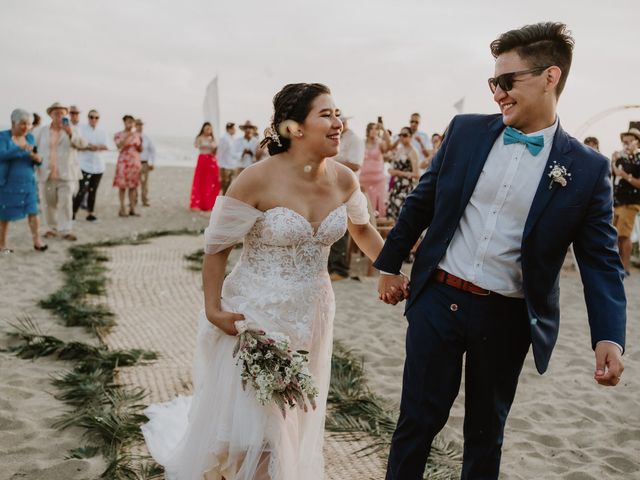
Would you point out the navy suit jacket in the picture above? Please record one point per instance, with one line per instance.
(579, 213)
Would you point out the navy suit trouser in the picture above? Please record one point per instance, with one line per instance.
(446, 324)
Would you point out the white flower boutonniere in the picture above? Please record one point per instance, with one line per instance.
(558, 174)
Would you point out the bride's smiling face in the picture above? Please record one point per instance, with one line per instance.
(321, 129)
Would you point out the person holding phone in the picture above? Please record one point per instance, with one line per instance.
(59, 172)
(128, 167)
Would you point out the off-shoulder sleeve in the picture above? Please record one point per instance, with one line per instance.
(230, 221)
(357, 208)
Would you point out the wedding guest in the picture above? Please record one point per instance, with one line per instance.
(351, 155)
(404, 171)
(592, 142)
(59, 172)
(206, 177)
(35, 125)
(127, 176)
(436, 141)
(91, 164)
(74, 116)
(18, 189)
(147, 160)
(245, 147)
(372, 177)
(224, 154)
(626, 192)
(420, 141)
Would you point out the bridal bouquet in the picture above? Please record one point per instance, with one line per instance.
(275, 372)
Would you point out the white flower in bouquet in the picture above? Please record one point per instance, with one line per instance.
(276, 373)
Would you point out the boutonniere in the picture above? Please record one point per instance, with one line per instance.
(558, 174)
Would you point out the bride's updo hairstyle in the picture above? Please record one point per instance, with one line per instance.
(292, 103)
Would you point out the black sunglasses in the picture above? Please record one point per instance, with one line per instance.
(404, 135)
(505, 81)
(93, 117)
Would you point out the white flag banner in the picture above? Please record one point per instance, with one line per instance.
(459, 105)
(211, 106)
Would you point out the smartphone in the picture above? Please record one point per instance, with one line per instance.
(379, 119)
(35, 149)
(65, 121)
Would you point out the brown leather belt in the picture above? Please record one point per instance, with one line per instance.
(457, 282)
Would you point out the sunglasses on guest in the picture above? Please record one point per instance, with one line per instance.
(505, 81)
(94, 117)
(404, 134)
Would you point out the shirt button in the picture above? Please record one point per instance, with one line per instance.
(453, 307)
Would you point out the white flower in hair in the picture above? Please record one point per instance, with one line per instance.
(286, 128)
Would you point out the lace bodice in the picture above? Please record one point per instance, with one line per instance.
(283, 244)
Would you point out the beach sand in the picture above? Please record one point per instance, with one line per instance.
(562, 425)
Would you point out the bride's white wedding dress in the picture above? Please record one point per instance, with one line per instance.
(280, 284)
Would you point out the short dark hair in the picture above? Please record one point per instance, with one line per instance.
(293, 102)
(593, 140)
(230, 125)
(540, 44)
(128, 117)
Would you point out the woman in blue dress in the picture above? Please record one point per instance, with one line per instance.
(18, 190)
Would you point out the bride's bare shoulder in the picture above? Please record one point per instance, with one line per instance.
(252, 182)
(346, 179)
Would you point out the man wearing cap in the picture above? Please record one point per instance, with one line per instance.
(351, 154)
(58, 145)
(626, 192)
(91, 164)
(225, 158)
(245, 147)
(147, 160)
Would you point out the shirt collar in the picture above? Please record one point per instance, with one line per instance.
(548, 133)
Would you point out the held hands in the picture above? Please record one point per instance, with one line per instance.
(609, 365)
(393, 288)
(225, 321)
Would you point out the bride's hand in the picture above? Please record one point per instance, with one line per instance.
(225, 321)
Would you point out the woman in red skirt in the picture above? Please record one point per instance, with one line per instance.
(206, 178)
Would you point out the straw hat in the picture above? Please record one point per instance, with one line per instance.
(634, 132)
(57, 106)
(246, 125)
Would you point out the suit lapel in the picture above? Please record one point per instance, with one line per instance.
(478, 159)
(544, 194)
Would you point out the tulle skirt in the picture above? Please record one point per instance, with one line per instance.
(222, 430)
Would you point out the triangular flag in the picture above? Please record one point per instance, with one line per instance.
(211, 106)
(459, 105)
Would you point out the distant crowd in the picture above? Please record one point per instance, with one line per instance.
(68, 158)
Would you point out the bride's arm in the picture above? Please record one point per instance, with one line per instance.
(367, 238)
(213, 269)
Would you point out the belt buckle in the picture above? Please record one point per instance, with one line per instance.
(482, 294)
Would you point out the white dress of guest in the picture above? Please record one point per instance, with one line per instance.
(280, 284)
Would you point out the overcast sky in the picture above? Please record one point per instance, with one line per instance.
(154, 58)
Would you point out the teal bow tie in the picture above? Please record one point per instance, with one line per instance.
(534, 144)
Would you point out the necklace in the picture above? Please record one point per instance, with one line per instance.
(307, 168)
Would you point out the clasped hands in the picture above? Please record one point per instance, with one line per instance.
(393, 288)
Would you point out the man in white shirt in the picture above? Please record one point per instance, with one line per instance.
(91, 164)
(245, 147)
(420, 141)
(225, 158)
(503, 199)
(351, 154)
(148, 161)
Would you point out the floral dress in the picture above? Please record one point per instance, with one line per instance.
(129, 166)
(402, 186)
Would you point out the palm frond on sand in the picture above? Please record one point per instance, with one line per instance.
(354, 408)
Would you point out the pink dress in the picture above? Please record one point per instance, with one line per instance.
(128, 166)
(372, 178)
(206, 178)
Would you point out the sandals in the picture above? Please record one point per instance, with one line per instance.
(50, 234)
(41, 248)
(133, 213)
(70, 236)
(5, 251)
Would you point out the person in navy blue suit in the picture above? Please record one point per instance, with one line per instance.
(504, 198)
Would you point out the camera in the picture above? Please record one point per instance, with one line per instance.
(65, 121)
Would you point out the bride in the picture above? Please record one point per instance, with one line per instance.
(289, 209)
